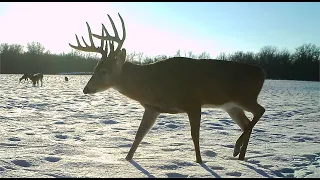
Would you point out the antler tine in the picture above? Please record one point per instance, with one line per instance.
(88, 48)
(105, 50)
(116, 37)
(79, 47)
(123, 33)
(84, 41)
(123, 29)
(107, 34)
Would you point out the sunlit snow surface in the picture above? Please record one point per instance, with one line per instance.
(57, 131)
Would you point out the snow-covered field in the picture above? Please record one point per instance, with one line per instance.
(57, 131)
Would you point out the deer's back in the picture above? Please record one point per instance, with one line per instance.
(36, 76)
(183, 80)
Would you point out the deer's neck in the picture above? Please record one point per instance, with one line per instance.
(130, 81)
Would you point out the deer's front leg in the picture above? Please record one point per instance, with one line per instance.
(244, 146)
(194, 119)
(148, 119)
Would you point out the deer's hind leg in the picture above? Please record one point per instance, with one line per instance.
(257, 110)
(237, 114)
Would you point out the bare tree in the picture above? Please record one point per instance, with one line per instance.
(204, 55)
(307, 53)
(11, 48)
(222, 56)
(191, 55)
(267, 55)
(284, 57)
(178, 53)
(35, 48)
(238, 56)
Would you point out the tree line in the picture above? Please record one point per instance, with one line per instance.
(14, 60)
(302, 64)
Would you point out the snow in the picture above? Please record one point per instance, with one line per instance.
(57, 131)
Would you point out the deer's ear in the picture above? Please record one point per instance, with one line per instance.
(121, 57)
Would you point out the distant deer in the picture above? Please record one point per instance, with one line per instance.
(35, 78)
(177, 85)
(66, 79)
(24, 77)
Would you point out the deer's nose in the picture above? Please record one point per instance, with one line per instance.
(86, 90)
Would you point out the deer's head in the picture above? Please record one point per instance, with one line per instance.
(109, 67)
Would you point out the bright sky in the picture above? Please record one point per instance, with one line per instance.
(156, 28)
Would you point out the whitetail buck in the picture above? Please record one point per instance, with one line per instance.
(35, 78)
(24, 77)
(177, 85)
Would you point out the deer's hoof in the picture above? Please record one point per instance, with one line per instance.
(241, 158)
(128, 158)
(236, 151)
(237, 148)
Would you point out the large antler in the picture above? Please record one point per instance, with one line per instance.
(92, 47)
(114, 38)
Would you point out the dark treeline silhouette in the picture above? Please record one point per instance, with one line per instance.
(35, 60)
(302, 64)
